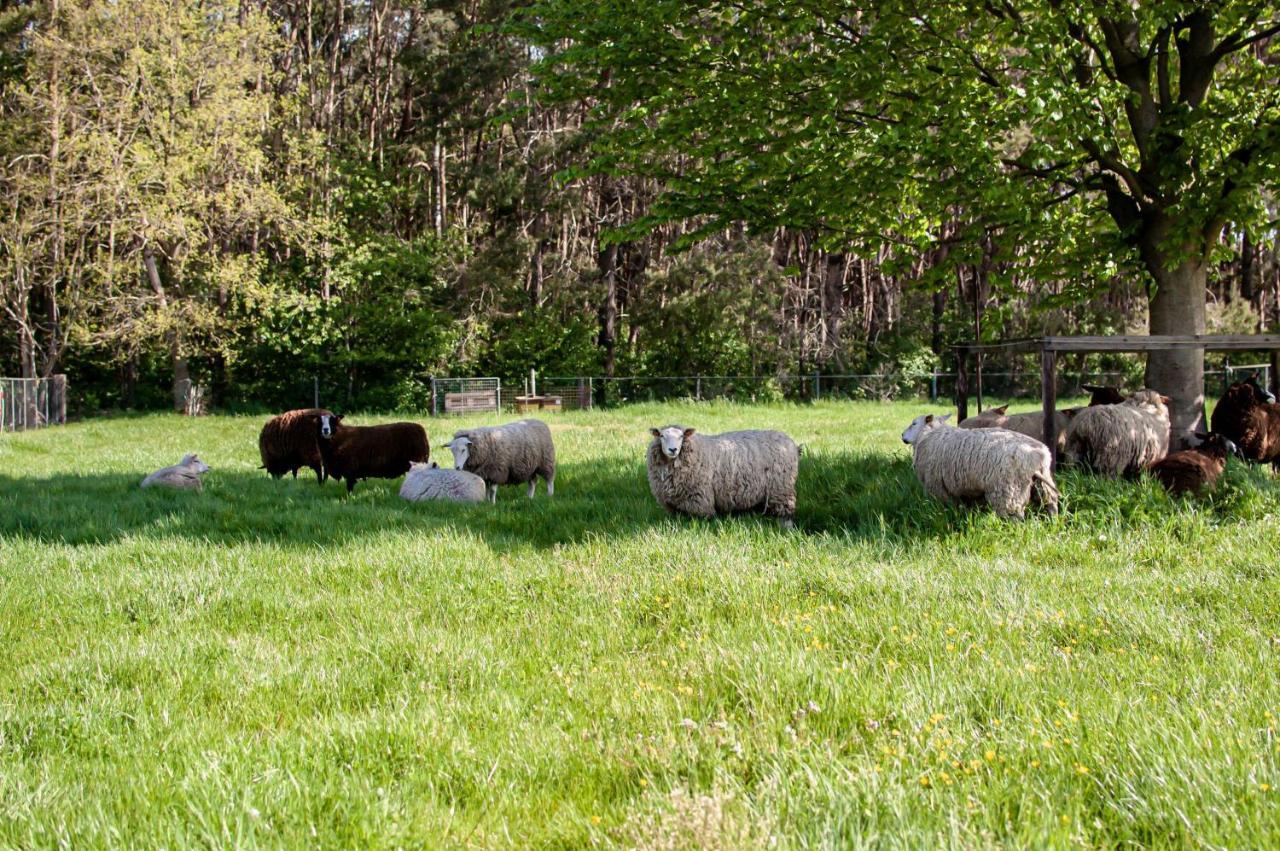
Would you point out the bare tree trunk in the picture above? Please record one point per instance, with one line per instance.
(608, 264)
(1177, 307)
(181, 372)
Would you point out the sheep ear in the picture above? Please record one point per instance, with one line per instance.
(999, 410)
(655, 432)
(688, 432)
(942, 418)
(1200, 436)
(1165, 399)
(928, 418)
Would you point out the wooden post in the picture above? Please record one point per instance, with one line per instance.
(962, 384)
(1049, 381)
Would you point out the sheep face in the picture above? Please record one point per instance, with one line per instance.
(461, 449)
(671, 440)
(193, 460)
(329, 424)
(922, 425)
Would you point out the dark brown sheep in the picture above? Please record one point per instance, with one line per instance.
(288, 442)
(1197, 469)
(369, 452)
(1246, 416)
(1100, 394)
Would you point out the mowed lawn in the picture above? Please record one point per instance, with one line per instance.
(270, 664)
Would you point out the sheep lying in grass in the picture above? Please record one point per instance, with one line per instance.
(739, 471)
(1123, 439)
(1195, 470)
(507, 455)
(994, 464)
(185, 474)
(1247, 415)
(425, 482)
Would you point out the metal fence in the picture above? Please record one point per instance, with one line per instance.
(27, 403)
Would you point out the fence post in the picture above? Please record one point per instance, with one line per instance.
(435, 405)
(933, 387)
(697, 392)
(817, 385)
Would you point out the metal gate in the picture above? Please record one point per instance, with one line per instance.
(27, 403)
(465, 396)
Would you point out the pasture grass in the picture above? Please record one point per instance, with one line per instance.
(268, 664)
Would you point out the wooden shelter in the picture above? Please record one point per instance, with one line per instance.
(1050, 347)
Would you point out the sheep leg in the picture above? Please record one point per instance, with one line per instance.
(491, 492)
(551, 484)
(351, 484)
(532, 484)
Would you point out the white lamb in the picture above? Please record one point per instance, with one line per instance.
(706, 475)
(1123, 439)
(507, 455)
(967, 465)
(185, 474)
(429, 481)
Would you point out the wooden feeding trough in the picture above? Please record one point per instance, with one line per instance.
(525, 404)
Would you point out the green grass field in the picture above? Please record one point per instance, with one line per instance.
(269, 664)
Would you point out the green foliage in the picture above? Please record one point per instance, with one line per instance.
(553, 342)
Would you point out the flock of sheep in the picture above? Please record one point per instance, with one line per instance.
(1001, 459)
(993, 457)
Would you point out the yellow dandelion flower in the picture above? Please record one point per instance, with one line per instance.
(990, 755)
(1066, 820)
(1265, 787)
(644, 782)
(924, 781)
(1080, 769)
(596, 819)
(1035, 763)
(951, 648)
(951, 630)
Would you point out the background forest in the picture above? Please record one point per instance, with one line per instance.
(254, 193)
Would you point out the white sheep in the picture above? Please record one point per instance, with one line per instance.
(1003, 467)
(507, 455)
(1030, 423)
(185, 474)
(1121, 439)
(429, 481)
(706, 475)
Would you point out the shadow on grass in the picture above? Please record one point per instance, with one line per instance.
(862, 495)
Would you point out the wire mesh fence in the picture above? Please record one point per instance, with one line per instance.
(29, 403)
(438, 396)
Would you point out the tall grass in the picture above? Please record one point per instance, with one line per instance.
(270, 664)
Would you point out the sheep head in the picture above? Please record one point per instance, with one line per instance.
(329, 424)
(922, 425)
(460, 446)
(671, 440)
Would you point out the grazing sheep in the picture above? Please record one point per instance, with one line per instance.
(1123, 439)
(185, 474)
(1248, 416)
(507, 455)
(369, 452)
(430, 482)
(1197, 469)
(1003, 467)
(706, 475)
(288, 442)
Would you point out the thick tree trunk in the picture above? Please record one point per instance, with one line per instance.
(1177, 307)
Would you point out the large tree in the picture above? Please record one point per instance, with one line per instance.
(1088, 137)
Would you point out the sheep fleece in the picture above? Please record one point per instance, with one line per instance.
(1251, 423)
(511, 454)
(723, 473)
(957, 465)
(288, 441)
(423, 482)
(1120, 439)
(1031, 423)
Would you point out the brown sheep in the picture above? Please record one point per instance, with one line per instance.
(1248, 416)
(288, 442)
(1100, 394)
(1197, 469)
(369, 452)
